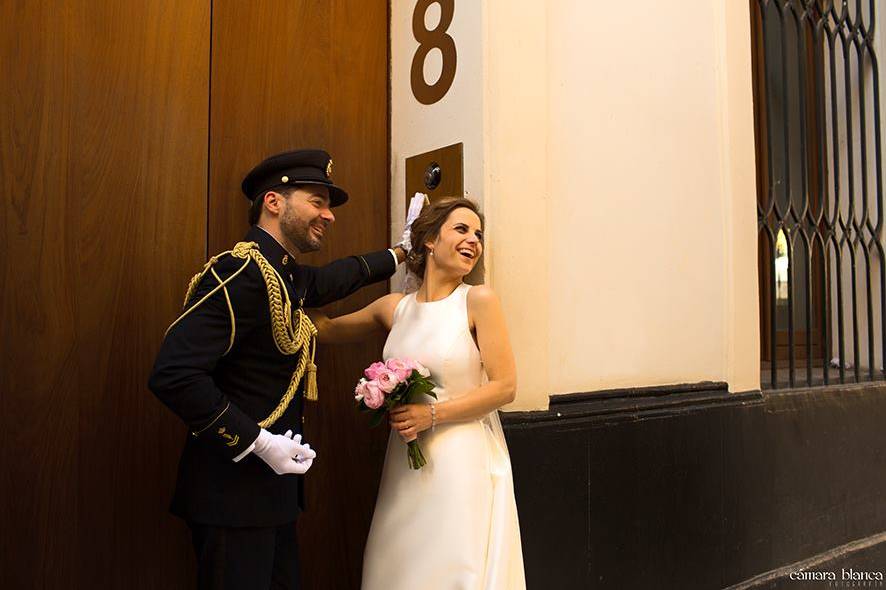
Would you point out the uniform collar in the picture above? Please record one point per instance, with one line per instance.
(271, 249)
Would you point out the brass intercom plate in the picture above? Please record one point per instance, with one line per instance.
(438, 173)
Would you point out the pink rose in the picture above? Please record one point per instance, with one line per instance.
(401, 368)
(422, 370)
(374, 396)
(374, 370)
(388, 381)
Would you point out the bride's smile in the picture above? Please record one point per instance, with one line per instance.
(459, 244)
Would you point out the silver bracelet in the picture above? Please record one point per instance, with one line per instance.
(433, 415)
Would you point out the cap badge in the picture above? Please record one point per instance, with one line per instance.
(329, 168)
(284, 179)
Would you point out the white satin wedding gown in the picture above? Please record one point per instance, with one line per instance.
(451, 525)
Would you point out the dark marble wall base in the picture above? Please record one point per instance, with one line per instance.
(692, 487)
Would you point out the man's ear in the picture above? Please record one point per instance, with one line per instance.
(273, 202)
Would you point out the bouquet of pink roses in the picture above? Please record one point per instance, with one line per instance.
(388, 384)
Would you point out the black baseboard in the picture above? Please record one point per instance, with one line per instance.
(693, 487)
(618, 405)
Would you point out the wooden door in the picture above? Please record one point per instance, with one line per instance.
(125, 129)
(103, 125)
(289, 75)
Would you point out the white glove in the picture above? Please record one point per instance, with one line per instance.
(306, 455)
(284, 453)
(415, 206)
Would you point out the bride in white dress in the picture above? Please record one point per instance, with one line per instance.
(451, 525)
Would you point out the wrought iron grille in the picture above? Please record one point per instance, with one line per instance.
(820, 192)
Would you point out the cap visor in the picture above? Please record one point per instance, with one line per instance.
(337, 196)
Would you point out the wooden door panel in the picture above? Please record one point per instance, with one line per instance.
(289, 75)
(37, 392)
(139, 178)
(269, 91)
(104, 170)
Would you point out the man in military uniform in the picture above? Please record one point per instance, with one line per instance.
(237, 365)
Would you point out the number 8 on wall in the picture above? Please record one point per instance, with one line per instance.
(427, 40)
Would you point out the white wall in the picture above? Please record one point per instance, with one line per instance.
(458, 117)
(633, 154)
(618, 182)
(520, 204)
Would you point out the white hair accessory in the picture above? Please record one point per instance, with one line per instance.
(415, 205)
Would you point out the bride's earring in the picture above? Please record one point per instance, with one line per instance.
(431, 252)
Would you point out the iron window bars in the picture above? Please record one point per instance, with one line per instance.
(820, 191)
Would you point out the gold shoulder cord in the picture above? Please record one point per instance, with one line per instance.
(288, 338)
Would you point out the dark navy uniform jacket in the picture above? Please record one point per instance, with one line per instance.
(222, 397)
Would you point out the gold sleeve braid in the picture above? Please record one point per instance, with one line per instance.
(290, 339)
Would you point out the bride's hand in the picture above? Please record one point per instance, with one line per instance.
(410, 419)
(318, 318)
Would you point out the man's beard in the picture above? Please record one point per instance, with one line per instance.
(298, 232)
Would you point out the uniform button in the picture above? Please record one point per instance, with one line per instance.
(285, 259)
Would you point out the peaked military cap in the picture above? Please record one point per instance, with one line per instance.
(294, 167)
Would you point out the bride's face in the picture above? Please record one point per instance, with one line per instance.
(460, 243)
